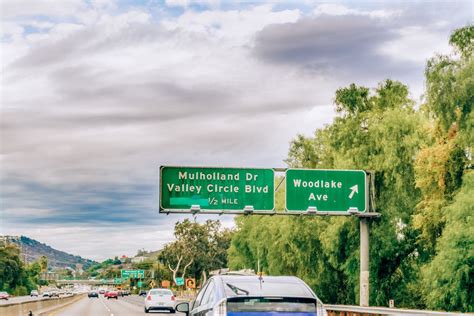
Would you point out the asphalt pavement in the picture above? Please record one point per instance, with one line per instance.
(123, 306)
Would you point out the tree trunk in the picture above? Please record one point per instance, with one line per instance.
(204, 278)
(175, 270)
(186, 266)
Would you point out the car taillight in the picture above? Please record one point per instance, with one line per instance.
(221, 308)
(149, 297)
(172, 297)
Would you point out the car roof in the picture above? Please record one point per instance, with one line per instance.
(266, 285)
(161, 289)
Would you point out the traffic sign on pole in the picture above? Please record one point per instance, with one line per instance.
(179, 281)
(189, 189)
(190, 283)
(326, 190)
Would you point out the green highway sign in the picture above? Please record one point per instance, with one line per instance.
(326, 190)
(135, 274)
(139, 283)
(118, 281)
(180, 281)
(219, 189)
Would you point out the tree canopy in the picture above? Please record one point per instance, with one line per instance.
(421, 247)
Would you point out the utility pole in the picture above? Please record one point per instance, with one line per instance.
(364, 262)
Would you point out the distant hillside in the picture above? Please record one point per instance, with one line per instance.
(32, 250)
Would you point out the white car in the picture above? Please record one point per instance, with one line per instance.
(160, 299)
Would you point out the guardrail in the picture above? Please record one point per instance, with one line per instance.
(349, 310)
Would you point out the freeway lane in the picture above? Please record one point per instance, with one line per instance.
(104, 307)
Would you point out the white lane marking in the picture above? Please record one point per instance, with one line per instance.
(103, 303)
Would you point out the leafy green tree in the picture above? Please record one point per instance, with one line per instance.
(447, 236)
(207, 241)
(376, 130)
(15, 277)
(448, 281)
(34, 273)
(439, 166)
(43, 261)
(117, 261)
(11, 268)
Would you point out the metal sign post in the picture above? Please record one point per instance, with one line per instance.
(364, 263)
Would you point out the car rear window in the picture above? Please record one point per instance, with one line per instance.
(267, 289)
(161, 292)
(250, 305)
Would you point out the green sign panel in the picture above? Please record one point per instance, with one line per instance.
(118, 281)
(326, 190)
(139, 283)
(222, 189)
(179, 281)
(135, 274)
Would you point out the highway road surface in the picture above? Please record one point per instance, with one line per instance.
(124, 306)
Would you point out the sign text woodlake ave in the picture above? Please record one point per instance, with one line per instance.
(182, 188)
(326, 190)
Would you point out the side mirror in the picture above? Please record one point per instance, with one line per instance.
(183, 308)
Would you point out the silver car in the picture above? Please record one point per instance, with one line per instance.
(253, 295)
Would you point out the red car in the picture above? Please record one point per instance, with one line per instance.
(4, 296)
(111, 294)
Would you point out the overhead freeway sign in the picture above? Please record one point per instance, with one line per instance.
(136, 274)
(216, 189)
(326, 190)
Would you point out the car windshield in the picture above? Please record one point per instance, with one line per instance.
(307, 306)
(161, 292)
(3, 293)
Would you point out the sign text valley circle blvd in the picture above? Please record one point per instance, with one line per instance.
(326, 190)
(220, 189)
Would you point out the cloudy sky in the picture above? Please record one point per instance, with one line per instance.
(96, 94)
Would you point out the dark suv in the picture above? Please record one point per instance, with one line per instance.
(254, 295)
(93, 294)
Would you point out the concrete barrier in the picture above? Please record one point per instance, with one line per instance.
(37, 307)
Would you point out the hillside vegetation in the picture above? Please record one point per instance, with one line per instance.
(56, 259)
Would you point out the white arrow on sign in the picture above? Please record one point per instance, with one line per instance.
(355, 189)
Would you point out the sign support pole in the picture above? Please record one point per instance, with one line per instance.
(364, 262)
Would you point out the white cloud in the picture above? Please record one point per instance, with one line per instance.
(26, 212)
(18, 8)
(416, 44)
(236, 26)
(339, 10)
(186, 3)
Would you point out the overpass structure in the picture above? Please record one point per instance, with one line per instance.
(86, 282)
